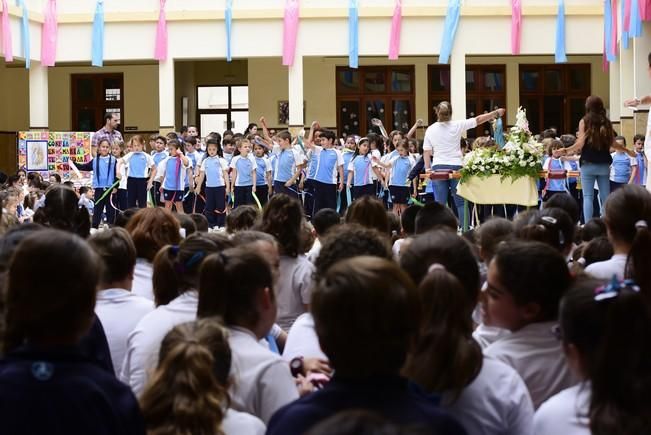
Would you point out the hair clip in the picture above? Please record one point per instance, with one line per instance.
(196, 258)
(174, 249)
(641, 224)
(613, 289)
(581, 261)
(436, 266)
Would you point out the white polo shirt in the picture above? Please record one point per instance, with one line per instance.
(302, 340)
(120, 311)
(142, 279)
(262, 381)
(237, 423)
(536, 354)
(293, 289)
(495, 402)
(144, 342)
(565, 413)
(606, 269)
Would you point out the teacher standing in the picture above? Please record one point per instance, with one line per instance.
(443, 141)
(594, 140)
(645, 100)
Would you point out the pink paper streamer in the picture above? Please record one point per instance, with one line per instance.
(645, 10)
(396, 27)
(7, 48)
(160, 52)
(626, 19)
(290, 30)
(49, 34)
(516, 26)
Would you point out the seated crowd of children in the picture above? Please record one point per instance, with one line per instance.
(278, 325)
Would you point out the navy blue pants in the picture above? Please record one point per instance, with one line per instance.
(279, 187)
(308, 187)
(137, 192)
(122, 200)
(365, 190)
(325, 196)
(155, 194)
(262, 192)
(243, 196)
(99, 207)
(215, 210)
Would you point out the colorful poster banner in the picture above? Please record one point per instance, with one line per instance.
(51, 151)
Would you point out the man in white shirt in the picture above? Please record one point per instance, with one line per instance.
(117, 308)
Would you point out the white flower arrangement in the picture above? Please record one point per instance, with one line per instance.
(520, 157)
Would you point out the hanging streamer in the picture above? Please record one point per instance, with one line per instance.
(353, 34)
(450, 30)
(635, 30)
(49, 35)
(290, 30)
(97, 54)
(561, 56)
(499, 133)
(516, 25)
(645, 10)
(24, 33)
(609, 56)
(396, 26)
(626, 22)
(613, 29)
(160, 51)
(7, 48)
(228, 20)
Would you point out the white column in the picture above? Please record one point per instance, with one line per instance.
(38, 96)
(458, 84)
(295, 73)
(166, 95)
(641, 79)
(614, 89)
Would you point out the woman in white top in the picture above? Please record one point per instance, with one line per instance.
(606, 334)
(486, 396)
(283, 218)
(189, 390)
(627, 216)
(442, 149)
(261, 380)
(150, 229)
(176, 278)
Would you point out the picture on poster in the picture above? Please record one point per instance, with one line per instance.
(37, 158)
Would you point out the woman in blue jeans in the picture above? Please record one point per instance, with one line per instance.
(594, 140)
(442, 150)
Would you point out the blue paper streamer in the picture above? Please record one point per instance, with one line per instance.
(97, 56)
(24, 32)
(450, 30)
(349, 197)
(499, 133)
(608, 31)
(228, 20)
(561, 56)
(635, 29)
(353, 34)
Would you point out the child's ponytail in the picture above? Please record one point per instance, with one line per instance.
(638, 264)
(228, 288)
(188, 392)
(176, 267)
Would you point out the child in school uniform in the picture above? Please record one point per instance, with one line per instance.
(348, 153)
(214, 170)
(120, 201)
(85, 193)
(118, 309)
(397, 178)
(605, 329)
(642, 164)
(623, 169)
(243, 168)
(44, 367)
(103, 166)
(141, 172)
(159, 153)
(360, 172)
(288, 166)
(176, 280)
(551, 163)
(524, 285)
(330, 165)
(263, 173)
(189, 149)
(172, 172)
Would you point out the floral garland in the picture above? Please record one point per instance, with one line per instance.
(520, 157)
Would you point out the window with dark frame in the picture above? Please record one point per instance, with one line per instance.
(382, 92)
(94, 95)
(554, 95)
(485, 91)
